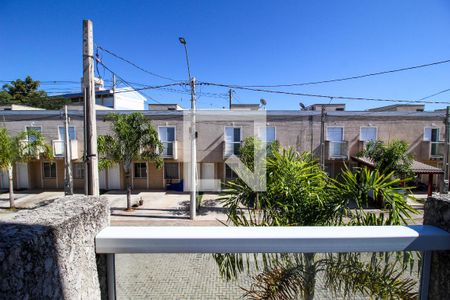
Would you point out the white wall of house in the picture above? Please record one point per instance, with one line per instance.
(129, 100)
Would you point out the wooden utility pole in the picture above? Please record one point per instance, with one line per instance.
(90, 121)
(68, 181)
(445, 181)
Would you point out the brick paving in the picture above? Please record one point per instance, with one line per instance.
(187, 276)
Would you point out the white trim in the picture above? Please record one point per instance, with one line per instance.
(432, 127)
(242, 239)
(360, 130)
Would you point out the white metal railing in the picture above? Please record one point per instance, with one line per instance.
(58, 148)
(170, 150)
(127, 239)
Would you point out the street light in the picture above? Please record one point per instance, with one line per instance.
(183, 42)
(193, 172)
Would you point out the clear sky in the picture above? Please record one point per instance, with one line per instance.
(239, 42)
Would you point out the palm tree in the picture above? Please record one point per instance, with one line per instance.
(299, 193)
(23, 147)
(134, 138)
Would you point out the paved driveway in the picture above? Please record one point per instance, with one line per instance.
(164, 208)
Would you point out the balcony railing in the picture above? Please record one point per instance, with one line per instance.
(58, 148)
(230, 148)
(437, 150)
(337, 150)
(170, 150)
(126, 239)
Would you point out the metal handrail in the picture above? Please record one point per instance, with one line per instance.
(320, 239)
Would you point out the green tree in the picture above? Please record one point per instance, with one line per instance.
(134, 138)
(393, 157)
(299, 193)
(25, 146)
(26, 92)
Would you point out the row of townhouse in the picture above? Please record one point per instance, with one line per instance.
(220, 134)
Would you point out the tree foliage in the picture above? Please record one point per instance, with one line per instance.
(393, 157)
(26, 92)
(133, 138)
(299, 193)
(25, 146)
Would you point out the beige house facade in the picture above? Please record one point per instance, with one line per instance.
(345, 134)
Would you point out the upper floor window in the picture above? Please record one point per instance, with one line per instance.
(167, 138)
(431, 134)
(232, 140)
(367, 134)
(267, 134)
(335, 134)
(140, 170)
(62, 135)
(49, 169)
(30, 136)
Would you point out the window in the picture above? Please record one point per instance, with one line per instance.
(171, 171)
(31, 137)
(78, 170)
(432, 135)
(167, 138)
(62, 135)
(335, 134)
(49, 169)
(140, 170)
(232, 140)
(229, 173)
(267, 134)
(368, 134)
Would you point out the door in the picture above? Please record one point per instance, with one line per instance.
(208, 181)
(22, 175)
(114, 178)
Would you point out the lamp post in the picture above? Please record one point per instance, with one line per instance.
(193, 173)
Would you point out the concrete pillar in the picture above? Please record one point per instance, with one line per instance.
(437, 213)
(49, 252)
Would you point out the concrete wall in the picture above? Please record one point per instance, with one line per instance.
(49, 252)
(437, 213)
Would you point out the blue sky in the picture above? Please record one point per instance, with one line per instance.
(239, 42)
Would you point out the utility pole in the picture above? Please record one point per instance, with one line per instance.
(193, 153)
(445, 181)
(322, 137)
(230, 96)
(114, 89)
(90, 121)
(68, 181)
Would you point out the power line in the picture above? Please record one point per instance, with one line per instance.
(320, 95)
(135, 65)
(351, 77)
(435, 94)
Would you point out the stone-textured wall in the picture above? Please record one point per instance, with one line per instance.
(49, 252)
(437, 213)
